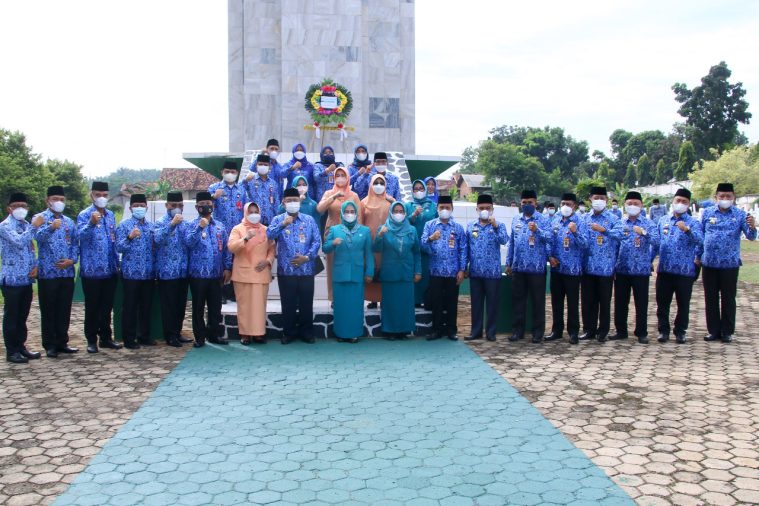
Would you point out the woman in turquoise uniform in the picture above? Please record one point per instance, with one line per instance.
(353, 266)
(419, 211)
(398, 243)
(307, 204)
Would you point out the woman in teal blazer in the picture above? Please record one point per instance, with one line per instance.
(401, 267)
(353, 266)
(419, 211)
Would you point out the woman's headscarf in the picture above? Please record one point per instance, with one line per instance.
(260, 234)
(436, 194)
(359, 163)
(372, 200)
(321, 153)
(403, 228)
(347, 186)
(305, 158)
(349, 227)
(296, 180)
(424, 199)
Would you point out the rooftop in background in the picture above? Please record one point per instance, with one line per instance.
(187, 179)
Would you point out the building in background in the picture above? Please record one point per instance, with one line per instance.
(188, 181)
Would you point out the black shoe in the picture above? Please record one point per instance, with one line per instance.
(710, 337)
(371, 305)
(31, 355)
(67, 349)
(309, 340)
(174, 342)
(435, 336)
(352, 340)
(663, 337)
(17, 358)
(553, 336)
(515, 337)
(453, 337)
(389, 338)
(643, 339)
(586, 336)
(727, 339)
(132, 346)
(617, 337)
(199, 343)
(537, 339)
(51, 353)
(286, 340)
(601, 338)
(92, 348)
(680, 338)
(218, 340)
(184, 340)
(147, 342)
(491, 338)
(113, 345)
(574, 339)
(472, 338)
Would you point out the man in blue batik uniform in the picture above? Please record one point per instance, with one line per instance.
(171, 254)
(58, 244)
(638, 246)
(209, 267)
(485, 236)
(656, 211)
(615, 210)
(568, 242)
(262, 189)
(526, 263)
(134, 240)
(298, 243)
(598, 268)
(721, 260)
(98, 268)
(361, 185)
(274, 172)
(19, 268)
(681, 238)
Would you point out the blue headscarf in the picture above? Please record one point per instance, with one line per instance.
(305, 158)
(434, 197)
(359, 163)
(321, 154)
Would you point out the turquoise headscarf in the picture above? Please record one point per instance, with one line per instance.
(401, 229)
(349, 227)
(424, 199)
(295, 185)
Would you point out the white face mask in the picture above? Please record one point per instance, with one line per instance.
(230, 177)
(274, 154)
(614, 206)
(361, 157)
(725, 203)
(598, 205)
(292, 207)
(302, 189)
(398, 217)
(262, 169)
(379, 189)
(341, 181)
(300, 155)
(381, 168)
(420, 195)
(551, 211)
(57, 206)
(680, 208)
(20, 213)
(566, 211)
(254, 218)
(484, 214)
(101, 202)
(349, 217)
(632, 210)
(444, 214)
(582, 209)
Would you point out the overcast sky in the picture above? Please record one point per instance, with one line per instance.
(137, 83)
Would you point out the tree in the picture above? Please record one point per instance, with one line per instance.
(125, 175)
(661, 172)
(738, 166)
(605, 173)
(644, 170)
(508, 168)
(468, 161)
(583, 186)
(555, 184)
(21, 170)
(631, 176)
(685, 161)
(712, 111)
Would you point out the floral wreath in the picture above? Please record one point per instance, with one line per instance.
(328, 116)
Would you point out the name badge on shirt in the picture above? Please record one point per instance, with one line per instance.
(713, 221)
(302, 238)
(665, 230)
(452, 241)
(600, 240)
(531, 240)
(637, 241)
(566, 242)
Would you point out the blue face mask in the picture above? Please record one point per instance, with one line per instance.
(528, 209)
(175, 211)
(139, 212)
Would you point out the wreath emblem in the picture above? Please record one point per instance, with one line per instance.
(328, 103)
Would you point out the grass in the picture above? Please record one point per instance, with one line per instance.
(750, 270)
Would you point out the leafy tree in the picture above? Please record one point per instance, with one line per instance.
(453, 192)
(125, 175)
(583, 186)
(605, 173)
(738, 166)
(508, 168)
(685, 161)
(712, 111)
(661, 172)
(556, 184)
(631, 176)
(472, 197)
(21, 170)
(69, 175)
(468, 161)
(644, 170)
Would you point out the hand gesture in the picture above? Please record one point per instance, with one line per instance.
(218, 193)
(508, 271)
(299, 260)
(176, 220)
(38, 221)
(492, 221)
(33, 273)
(751, 221)
(638, 230)
(227, 276)
(296, 166)
(532, 226)
(435, 236)
(383, 231)
(337, 241)
(597, 227)
(572, 227)
(368, 279)
(203, 222)
(95, 218)
(134, 233)
(63, 264)
(554, 261)
(459, 277)
(417, 278)
(263, 264)
(337, 195)
(251, 234)
(56, 224)
(331, 168)
(249, 177)
(417, 212)
(362, 171)
(682, 226)
(288, 220)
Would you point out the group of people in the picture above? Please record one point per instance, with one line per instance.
(379, 249)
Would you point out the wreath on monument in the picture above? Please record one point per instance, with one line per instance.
(328, 103)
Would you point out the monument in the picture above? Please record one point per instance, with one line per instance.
(279, 48)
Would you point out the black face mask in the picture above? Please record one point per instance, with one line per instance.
(204, 210)
(328, 159)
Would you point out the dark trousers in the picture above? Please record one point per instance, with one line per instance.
(18, 302)
(98, 304)
(623, 284)
(297, 296)
(135, 310)
(443, 297)
(530, 287)
(486, 294)
(681, 287)
(55, 296)
(564, 286)
(206, 292)
(173, 295)
(720, 287)
(596, 304)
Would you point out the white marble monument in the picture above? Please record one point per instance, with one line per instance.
(278, 48)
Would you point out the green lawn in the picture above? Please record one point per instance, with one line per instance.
(750, 254)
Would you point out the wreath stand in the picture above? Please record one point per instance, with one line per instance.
(320, 135)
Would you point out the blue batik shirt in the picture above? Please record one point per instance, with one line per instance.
(617, 212)
(17, 247)
(324, 180)
(448, 254)
(301, 237)
(656, 213)
(137, 260)
(677, 249)
(275, 174)
(722, 237)
(528, 251)
(228, 208)
(484, 247)
(98, 258)
(393, 188)
(568, 247)
(209, 256)
(56, 245)
(171, 253)
(636, 252)
(601, 249)
(266, 195)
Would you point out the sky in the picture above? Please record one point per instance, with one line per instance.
(136, 83)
